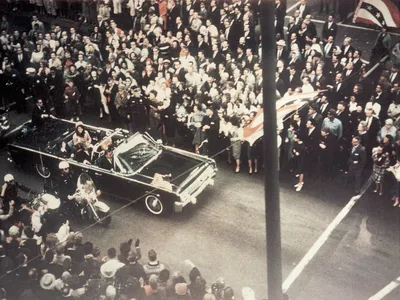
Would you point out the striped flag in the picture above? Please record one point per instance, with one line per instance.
(379, 12)
(284, 107)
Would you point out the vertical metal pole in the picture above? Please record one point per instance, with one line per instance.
(271, 173)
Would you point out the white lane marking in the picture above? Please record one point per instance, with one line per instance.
(351, 26)
(293, 7)
(322, 239)
(386, 290)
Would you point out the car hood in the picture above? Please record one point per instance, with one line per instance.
(178, 165)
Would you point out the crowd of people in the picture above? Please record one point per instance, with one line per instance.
(191, 72)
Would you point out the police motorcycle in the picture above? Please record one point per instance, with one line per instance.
(86, 201)
(45, 212)
(4, 122)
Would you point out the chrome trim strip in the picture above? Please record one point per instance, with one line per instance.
(73, 162)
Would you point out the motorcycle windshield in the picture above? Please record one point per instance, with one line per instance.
(85, 185)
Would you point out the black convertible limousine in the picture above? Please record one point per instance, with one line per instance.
(166, 179)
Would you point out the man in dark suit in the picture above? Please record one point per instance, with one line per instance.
(173, 13)
(328, 47)
(203, 46)
(294, 78)
(214, 13)
(39, 114)
(338, 90)
(324, 106)
(373, 125)
(320, 81)
(394, 76)
(327, 150)
(106, 161)
(357, 161)
(178, 26)
(280, 13)
(216, 55)
(249, 37)
(330, 28)
(357, 60)
(347, 47)
(304, 9)
(251, 60)
(350, 75)
(342, 114)
(332, 69)
(314, 115)
(291, 28)
(281, 52)
(21, 61)
(230, 34)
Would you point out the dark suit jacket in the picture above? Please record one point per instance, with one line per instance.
(280, 86)
(374, 129)
(311, 140)
(21, 65)
(306, 11)
(104, 163)
(329, 32)
(324, 113)
(318, 120)
(295, 82)
(344, 54)
(396, 78)
(214, 16)
(358, 158)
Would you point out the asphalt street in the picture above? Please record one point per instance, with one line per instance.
(224, 233)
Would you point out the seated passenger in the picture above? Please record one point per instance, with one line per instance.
(82, 154)
(62, 150)
(81, 136)
(106, 161)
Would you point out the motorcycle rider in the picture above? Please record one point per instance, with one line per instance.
(85, 192)
(65, 186)
(9, 192)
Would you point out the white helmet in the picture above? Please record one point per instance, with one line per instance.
(8, 178)
(63, 165)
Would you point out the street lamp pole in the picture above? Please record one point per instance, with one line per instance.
(271, 171)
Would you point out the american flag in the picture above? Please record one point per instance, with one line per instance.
(379, 12)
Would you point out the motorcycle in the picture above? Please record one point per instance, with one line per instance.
(44, 212)
(87, 202)
(4, 122)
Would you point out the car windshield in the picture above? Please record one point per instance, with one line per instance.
(134, 154)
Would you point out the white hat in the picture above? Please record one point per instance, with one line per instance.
(47, 281)
(8, 178)
(30, 70)
(108, 269)
(51, 201)
(248, 293)
(13, 231)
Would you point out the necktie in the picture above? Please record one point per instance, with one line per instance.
(392, 77)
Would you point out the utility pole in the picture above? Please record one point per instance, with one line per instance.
(271, 173)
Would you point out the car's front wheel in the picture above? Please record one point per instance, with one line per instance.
(156, 206)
